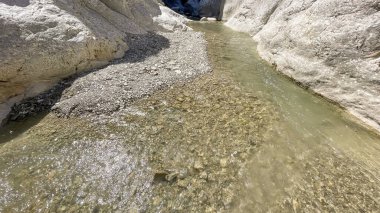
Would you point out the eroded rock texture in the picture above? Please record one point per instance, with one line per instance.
(42, 41)
(330, 46)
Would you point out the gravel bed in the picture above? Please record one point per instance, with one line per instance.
(153, 62)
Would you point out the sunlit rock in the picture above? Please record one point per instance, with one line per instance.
(330, 46)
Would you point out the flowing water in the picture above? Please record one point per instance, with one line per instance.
(315, 156)
(245, 139)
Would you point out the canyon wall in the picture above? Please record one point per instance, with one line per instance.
(43, 41)
(330, 46)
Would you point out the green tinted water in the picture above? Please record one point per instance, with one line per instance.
(315, 156)
(243, 139)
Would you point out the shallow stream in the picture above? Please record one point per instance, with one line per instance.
(315, 156)
(244, 138)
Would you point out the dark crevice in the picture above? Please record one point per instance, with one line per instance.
(196, 9)
(18, 3)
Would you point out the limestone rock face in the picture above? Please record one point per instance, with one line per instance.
(171, 20)
(330, 46)
(42, 41)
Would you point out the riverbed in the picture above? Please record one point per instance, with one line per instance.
(315, 156)
(243, 138)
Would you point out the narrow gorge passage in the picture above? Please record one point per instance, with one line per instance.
(243, 138)
(196, 9)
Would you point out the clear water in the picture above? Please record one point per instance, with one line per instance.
(313, 142)
(302, 154)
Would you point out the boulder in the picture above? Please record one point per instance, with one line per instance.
(43, 41)
(171, 20)
(330, 46)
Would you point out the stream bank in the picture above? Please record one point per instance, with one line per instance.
(242, 138)
(314, 157)
(103, 148)
(329, 46)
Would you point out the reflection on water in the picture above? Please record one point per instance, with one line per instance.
(15, 129)
(182, 149)
(315, 156)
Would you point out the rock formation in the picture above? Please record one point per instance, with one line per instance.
(42, 42)
(330, 46)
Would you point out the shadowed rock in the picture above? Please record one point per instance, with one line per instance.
(19, 3)
(197, 8)
(42, 42)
